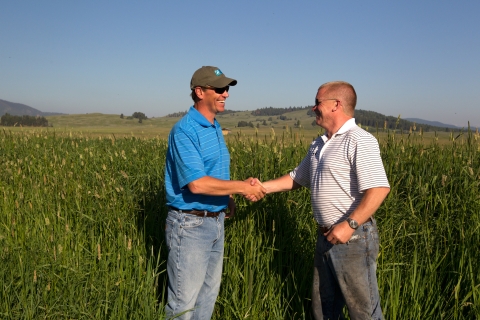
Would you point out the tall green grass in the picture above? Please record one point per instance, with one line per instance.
(71, 238)
(82, 220)
(430, 224)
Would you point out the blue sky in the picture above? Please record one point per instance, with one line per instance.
(410, 58)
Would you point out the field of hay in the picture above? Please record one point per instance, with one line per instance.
(83, 209)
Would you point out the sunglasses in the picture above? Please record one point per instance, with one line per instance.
(218, 90)
(318, 102)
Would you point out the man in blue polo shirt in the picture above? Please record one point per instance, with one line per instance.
(199, 189)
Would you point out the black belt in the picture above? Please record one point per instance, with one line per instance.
(322, 229)
(200, 213)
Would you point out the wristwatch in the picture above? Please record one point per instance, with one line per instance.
(352, 223)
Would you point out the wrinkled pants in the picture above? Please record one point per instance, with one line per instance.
(345, 274)
(194, 266)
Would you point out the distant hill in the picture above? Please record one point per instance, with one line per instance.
(367, 119)
(432, 123)
(18, 109)
(374, 119)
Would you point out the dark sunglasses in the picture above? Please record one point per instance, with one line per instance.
(218, 90)
(318, 102)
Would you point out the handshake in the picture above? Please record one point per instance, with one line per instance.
(254, 190)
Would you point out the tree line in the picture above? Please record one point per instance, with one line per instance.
(270, 111)
(176, 114)
(366, 119)
(182, 113)
(372, 119)
(9, 120)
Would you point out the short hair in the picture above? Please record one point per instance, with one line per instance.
(194, 96)
(343, 91)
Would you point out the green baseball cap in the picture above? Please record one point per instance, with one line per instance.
(210, 76)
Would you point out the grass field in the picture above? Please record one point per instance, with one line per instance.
(82, 220)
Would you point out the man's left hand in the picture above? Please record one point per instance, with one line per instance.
(339, 233)
(232, 207)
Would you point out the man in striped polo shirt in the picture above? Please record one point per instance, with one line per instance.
(345, 174)
(199, 189)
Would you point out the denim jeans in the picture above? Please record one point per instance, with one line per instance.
(194, 266)
(345, 274)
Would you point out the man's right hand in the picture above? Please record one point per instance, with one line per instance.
(255, 190)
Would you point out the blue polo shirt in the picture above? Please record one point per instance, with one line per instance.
(196, 149)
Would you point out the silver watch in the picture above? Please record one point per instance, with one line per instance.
(352, 223)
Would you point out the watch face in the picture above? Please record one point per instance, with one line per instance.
(353, 224)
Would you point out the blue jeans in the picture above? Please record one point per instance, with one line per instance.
(194, 266)
(345, 274)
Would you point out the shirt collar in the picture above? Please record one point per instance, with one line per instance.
(198, 117)
(346, 126)
(349, 124)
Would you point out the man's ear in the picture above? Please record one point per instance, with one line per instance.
(337, 104)
(199, 92)
(335, 107)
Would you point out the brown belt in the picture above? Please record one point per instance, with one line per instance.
(200, 213)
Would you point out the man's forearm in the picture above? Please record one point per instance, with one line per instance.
(284, 183)
(217, 187)
(371, 201)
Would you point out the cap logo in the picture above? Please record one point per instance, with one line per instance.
(218, 72)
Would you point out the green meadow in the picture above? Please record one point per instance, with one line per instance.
(82, 213)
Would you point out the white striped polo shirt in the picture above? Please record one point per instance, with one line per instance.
(339, 170)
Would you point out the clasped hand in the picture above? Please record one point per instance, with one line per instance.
(255, 190)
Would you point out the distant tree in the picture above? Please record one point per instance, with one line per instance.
(177, 114)
(275, 111)
(121, 116)
(242, 124)
(139, 115)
